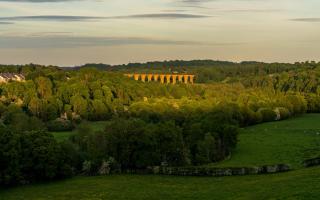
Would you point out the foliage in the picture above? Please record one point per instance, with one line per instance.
(29, 155)
(267, 114)
(151, 124)
(60, 125)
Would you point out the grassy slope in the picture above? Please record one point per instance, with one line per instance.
(299, 184)
(290, 141)
(287, 141)
(95, 126)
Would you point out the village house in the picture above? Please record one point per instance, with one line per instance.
(6, 77)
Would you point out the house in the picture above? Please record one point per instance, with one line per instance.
(6, 77)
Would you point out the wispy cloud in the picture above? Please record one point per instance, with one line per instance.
(193, 3)
(36, 1)
(55, 40)
(6, 23)
(50, 18)
(315, 19)
(162, 15)
(67, 18)
(70, 42)
(254, 10)
(53, 33)
(175, 10)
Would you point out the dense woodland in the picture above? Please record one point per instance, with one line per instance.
(150, 124)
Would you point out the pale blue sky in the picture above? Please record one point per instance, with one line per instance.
(73, 32)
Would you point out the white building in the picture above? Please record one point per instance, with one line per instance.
(6, 77)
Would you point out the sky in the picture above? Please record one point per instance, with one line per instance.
(75, 32)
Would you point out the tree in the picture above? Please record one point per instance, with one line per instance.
(206, 150)
(44, 87)
(40, 156)
(36, 107)
(170, 144)
(10, 169)
(130, 144)
(79, 105)
(98, 110)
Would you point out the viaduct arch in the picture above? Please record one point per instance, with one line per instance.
(163, 78)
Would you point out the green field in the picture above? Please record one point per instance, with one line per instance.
(299, 184)
(289, 141)
(94, 126)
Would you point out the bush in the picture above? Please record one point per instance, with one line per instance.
(268, 114)
(284, 113)
(60, 125)
(250, 117)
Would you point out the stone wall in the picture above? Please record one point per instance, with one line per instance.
(312, 162)
(228, 171)
(212, 171)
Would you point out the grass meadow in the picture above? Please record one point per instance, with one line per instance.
(290, 141)
(295, 185)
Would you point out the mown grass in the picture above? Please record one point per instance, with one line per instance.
(95, 126)
(300, 184)
(290, 141)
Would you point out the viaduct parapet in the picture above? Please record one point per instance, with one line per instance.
(163, 78)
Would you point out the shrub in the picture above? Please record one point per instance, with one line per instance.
(268, 114)
(60, 125)
(284, 113)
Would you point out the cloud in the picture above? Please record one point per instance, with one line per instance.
(254, 10)
(50, 18)
(54, 40)
(6, 23)
(175, 10)
(36, 1)
(195, 1)
(70, 42)
(68, 18)
(306, 19)
(52, 33)
(161, 15)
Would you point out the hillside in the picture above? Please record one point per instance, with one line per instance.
(205, 70)
(153, 124)
(290, 141)
(287, 141)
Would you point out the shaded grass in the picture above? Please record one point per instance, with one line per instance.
(290, 141)
(299, 184)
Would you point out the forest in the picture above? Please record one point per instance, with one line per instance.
(149, 124)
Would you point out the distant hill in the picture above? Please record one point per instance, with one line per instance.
(205, 70)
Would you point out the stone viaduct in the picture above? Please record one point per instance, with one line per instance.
(163, 78)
